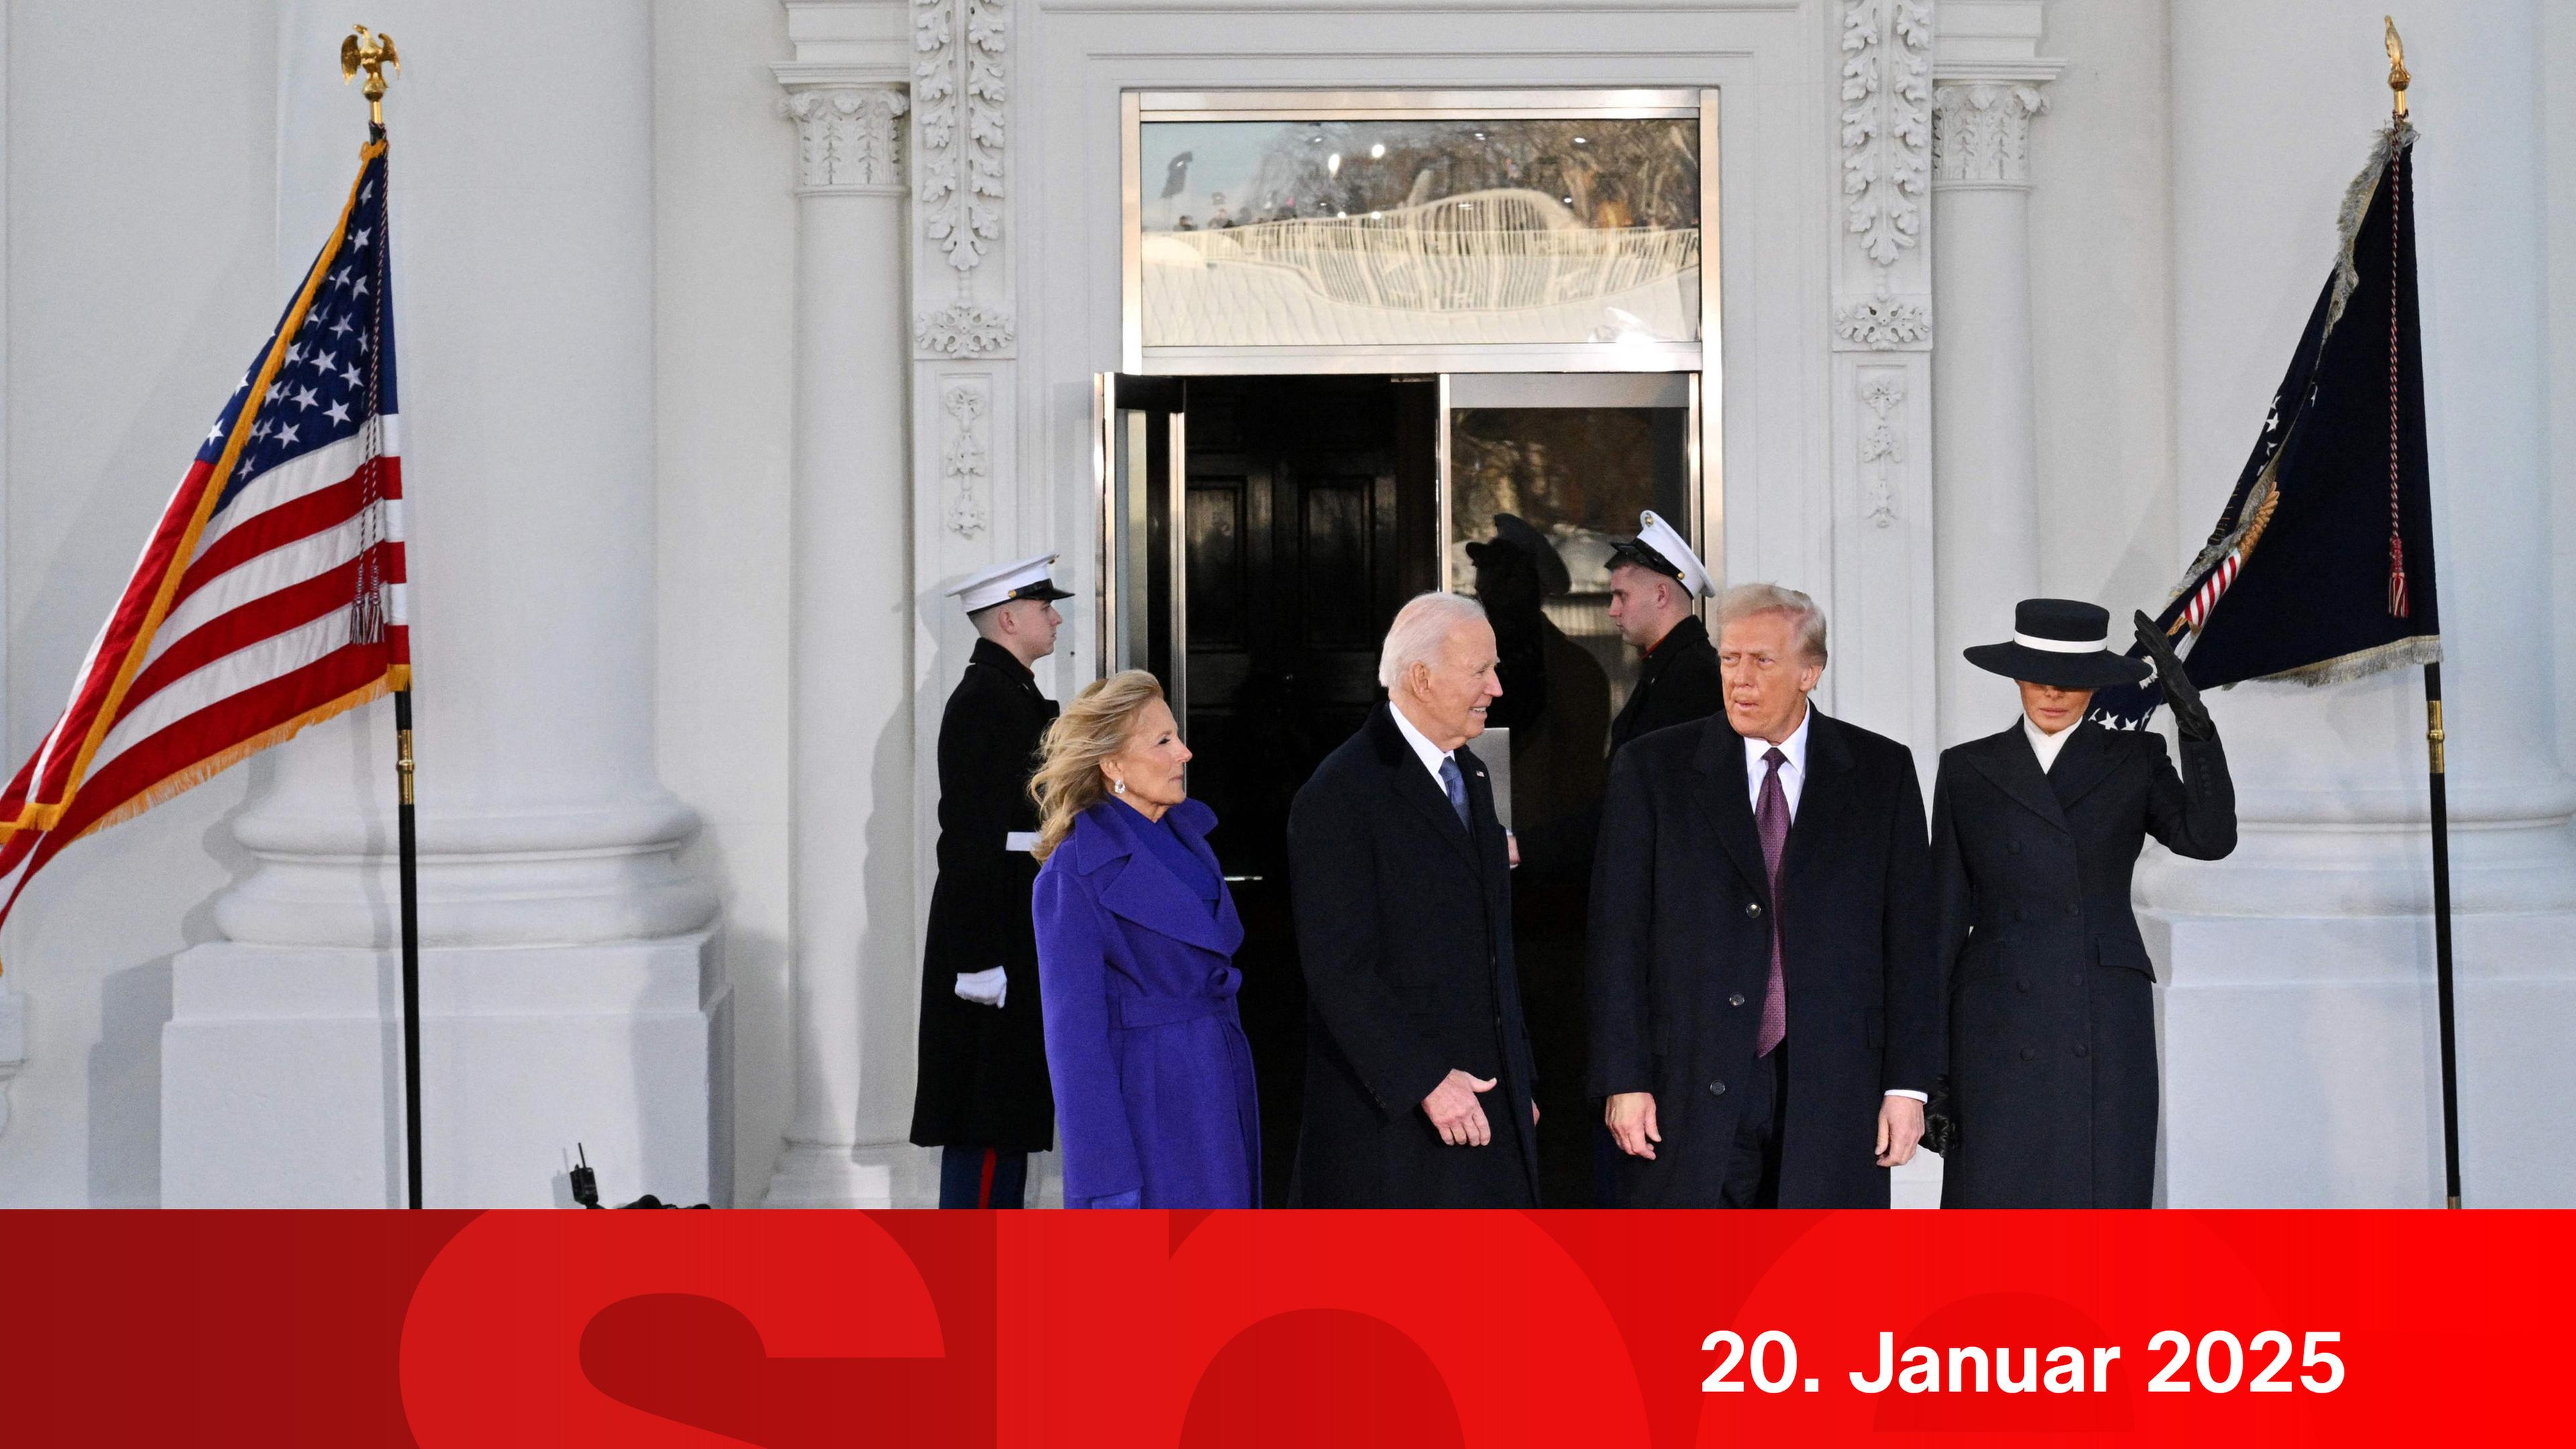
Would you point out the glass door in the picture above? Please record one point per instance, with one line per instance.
(1139, 444)
(1539, 474)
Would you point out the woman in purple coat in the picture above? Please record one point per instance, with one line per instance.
(1136, 938)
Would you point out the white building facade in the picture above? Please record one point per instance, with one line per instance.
(734, 331)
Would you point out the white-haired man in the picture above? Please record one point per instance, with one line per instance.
(1764, 993)
(1417, 1065)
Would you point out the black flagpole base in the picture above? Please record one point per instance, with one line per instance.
(409, 872)
(2434, 739)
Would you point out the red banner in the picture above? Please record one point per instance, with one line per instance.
(1420, 1330)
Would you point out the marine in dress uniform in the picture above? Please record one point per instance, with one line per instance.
(982, 1093)
(2052, 1038)
(1677, 680)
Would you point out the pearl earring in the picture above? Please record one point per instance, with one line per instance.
(1118, 787)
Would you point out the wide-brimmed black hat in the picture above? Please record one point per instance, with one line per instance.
(2064, 643)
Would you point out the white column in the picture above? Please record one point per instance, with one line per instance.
(852, 730)
(2299, 1037)
(564, 989)
(1984, 438)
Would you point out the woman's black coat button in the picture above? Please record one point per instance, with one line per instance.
(1717, 1089)
(2082, 1050)
(1753, 908)
(1736, 999)
(2021, 983)
(2030, 1054)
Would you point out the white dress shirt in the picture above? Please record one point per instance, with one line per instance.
(2044, 744)
(1793, 774)
(1428, 753)
(1793, 780)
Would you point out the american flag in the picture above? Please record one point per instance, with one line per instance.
(270, 595)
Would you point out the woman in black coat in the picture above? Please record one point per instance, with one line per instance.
(2052, 1040)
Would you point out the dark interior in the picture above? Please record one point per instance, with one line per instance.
(1311, 518)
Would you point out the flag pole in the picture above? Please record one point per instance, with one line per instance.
(2434, 736)
(371, 53)
(409, 872)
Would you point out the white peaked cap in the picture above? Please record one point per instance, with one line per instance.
(1664, 539)
(1029, 578)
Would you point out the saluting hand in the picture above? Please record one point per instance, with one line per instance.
(2190, 716)
(1631, 1118)
(1454, 1110)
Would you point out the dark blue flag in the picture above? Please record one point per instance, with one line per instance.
(2321, 567)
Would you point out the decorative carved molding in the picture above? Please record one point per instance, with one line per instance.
(1981, 131)
(961, 82)
(1887, 122)
(1884, 323)
(848, 136)
(963, 329)
(964, 459)
(1880, 449)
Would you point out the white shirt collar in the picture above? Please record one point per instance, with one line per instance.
(2044, 744)
(1795, 746)
(1428, 753)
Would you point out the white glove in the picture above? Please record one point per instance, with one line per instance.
(985, 988)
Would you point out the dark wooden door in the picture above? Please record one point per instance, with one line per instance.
(1311, 516)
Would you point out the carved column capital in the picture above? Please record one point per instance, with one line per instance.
(849, 134)
(1981, 129)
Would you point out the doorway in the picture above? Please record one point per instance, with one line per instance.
(1258, 535)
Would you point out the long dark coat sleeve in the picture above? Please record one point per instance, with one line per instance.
(1334, 860)
(1618, 976)
(982, 1070)
(2049, 991)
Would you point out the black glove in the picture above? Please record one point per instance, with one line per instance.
(1940, 1125)
(2181, 695)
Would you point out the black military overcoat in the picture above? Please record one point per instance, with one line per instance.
(2052, 1033)
(983, 1074)
(1677, 684)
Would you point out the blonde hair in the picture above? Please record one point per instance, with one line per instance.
(1093, 728)
(1746, 600)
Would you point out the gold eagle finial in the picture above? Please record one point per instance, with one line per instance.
(365, 50)
(2397, 77)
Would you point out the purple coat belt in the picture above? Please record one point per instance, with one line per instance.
(1153, 1078)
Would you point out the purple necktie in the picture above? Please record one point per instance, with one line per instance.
(1771, 820)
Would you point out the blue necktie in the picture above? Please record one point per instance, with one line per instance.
(1456, 784)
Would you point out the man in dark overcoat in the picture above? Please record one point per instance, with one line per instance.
(1655, 586)
(982, 1093)
(1764, 995)
(1418, 1072)
(2052, 1032)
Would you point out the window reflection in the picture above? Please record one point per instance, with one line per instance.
(1356, 233)
(1537, 495)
